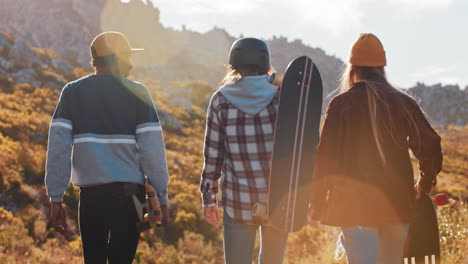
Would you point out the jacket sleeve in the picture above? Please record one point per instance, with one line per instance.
(58, 163)
(425, 144)
(213, 155)
(327, 159)
(151, 148)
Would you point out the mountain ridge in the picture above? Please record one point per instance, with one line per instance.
(69, 28)
(66, 29)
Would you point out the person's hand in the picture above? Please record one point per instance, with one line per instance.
(165, 216)
(211, 214)
(419, 190)
(278, 80)
(58, 218)
(312, 222)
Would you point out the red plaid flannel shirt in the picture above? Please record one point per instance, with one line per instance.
(238, 146)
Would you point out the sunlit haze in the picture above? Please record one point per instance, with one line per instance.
(425, 40)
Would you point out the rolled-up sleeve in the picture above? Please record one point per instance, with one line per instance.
(213, 155)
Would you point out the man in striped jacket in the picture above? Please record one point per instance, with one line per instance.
(105, 135)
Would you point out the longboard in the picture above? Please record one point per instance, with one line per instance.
(295, 141)
(422, 244)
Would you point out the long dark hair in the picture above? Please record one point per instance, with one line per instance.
(235, 74)
(377, 88)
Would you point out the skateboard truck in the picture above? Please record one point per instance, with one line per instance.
(259, 211)
(149, 212)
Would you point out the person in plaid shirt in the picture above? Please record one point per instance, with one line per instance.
(238, 147)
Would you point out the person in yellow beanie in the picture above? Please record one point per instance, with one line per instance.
(363, 178)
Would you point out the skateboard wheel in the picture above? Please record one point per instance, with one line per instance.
(441, 199)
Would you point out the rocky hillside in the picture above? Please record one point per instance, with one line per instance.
(24, 64)
(63, 26)
(68, 27)
(443, 104)
(30, 83)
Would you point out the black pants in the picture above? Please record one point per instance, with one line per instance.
(108, 220)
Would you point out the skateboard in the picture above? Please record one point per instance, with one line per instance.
(148, 212)
(422, 244)
(295, 141)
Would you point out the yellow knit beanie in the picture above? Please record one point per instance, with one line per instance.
(367, 51)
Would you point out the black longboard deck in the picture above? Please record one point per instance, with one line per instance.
(296, 138)
(423, 241)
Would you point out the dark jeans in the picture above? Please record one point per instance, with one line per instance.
(107, 219)
(239, 242)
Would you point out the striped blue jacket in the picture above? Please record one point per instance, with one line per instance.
(105, 129)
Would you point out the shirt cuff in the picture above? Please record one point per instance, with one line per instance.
(209, 198)
(162, 197)
(210, 204)
(427, 184)
(56, 199)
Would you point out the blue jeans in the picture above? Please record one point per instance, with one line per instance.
(371, 245)
(239, 243)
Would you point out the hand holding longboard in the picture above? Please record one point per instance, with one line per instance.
(155, 212)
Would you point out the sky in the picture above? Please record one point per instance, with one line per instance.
(425, 40)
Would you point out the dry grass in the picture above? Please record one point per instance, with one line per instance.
(24, 237)
(453, 224)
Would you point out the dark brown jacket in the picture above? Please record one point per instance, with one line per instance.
(351, 185)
